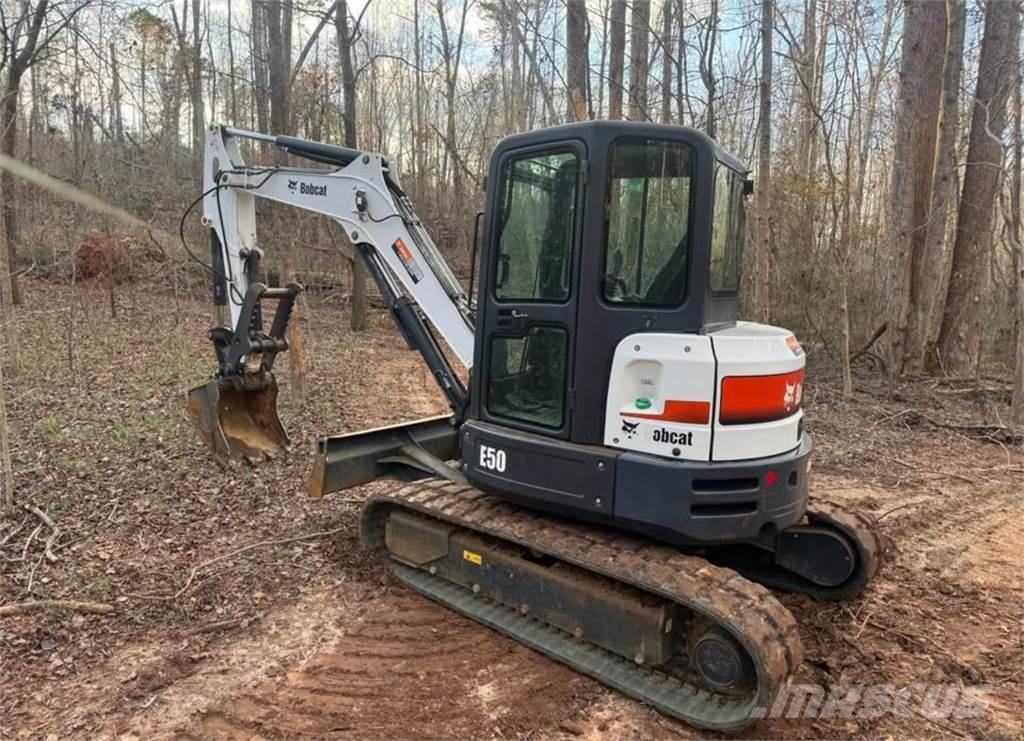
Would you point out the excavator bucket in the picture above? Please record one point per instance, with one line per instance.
(238, 424)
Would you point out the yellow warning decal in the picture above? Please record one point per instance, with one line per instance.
(473, 557)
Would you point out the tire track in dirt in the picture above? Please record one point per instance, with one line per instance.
(411, 669)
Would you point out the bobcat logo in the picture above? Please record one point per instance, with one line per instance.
(629, 428)
(791, 398)
(293, 185)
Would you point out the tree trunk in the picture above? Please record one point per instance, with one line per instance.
(358, 317)
(682, 72)
(639, 45)
(762, 256)
(707, 68)
(259, 66)
(8, 192)
(959, 335)
(1017, 404)
(18, 61)
(419, 132)
(8, 328)
(452, 56)
(116, 114)
(871, 113)
(929, 266)
(6, 465)
(278, 20)
(233, 90)
(277, 15)
(807, 79)
(576, 59)
(536, 76)
(198, 113)
(666, 62)
(920, 92)
(616, 58)
(171, 89)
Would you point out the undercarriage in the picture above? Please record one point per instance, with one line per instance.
(698, 641)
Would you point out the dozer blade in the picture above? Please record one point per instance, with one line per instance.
(405, 452)
(238, 424)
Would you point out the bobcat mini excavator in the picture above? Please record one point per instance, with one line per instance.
(628, 465)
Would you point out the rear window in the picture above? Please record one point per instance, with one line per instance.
(728, 230)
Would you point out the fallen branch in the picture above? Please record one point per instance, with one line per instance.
(990, 432)
(54, 530)
(918, 469)
(238, 552)
(871, 341)
(995, 433)
(20, 608)
(888, 512)
(14, 531)
(43, 517)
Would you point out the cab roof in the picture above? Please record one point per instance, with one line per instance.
(605, 130)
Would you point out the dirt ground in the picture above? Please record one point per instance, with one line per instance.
(245, 609)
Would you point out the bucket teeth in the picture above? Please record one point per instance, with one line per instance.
(238, 424)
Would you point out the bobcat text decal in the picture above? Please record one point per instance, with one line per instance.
(307, 189)
(662, 435)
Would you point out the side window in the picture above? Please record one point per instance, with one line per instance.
(527, 377)
(647, 243)
(727, 231)
(535, 227)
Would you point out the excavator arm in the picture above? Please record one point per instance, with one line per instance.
(236, 411)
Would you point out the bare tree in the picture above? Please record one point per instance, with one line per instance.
(358, 317)
(172, 86)
(23, 43)
(6, 465)
(929, 268)
(639, 44)
(616, 58)
(198, 114)
(666, 62)
(278, 16)
(959, 336)
(451, 55)
(920, 93)
(762, 255)
(116, 113)
(260, 74)
(1017, 257)
(708, 42)
(576, 59)
(807, 74)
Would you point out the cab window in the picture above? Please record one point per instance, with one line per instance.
(647, 228)
(727, 231)
(535, 227)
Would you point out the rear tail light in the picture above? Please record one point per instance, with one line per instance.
(752, 399)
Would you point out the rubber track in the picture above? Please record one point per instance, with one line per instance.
(765, 628)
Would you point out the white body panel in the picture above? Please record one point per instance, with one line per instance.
(688, 369)
(661, 368)
(750, 349)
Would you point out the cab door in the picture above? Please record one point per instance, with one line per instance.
(524, 361)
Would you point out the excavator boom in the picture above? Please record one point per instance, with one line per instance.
(236, 412)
